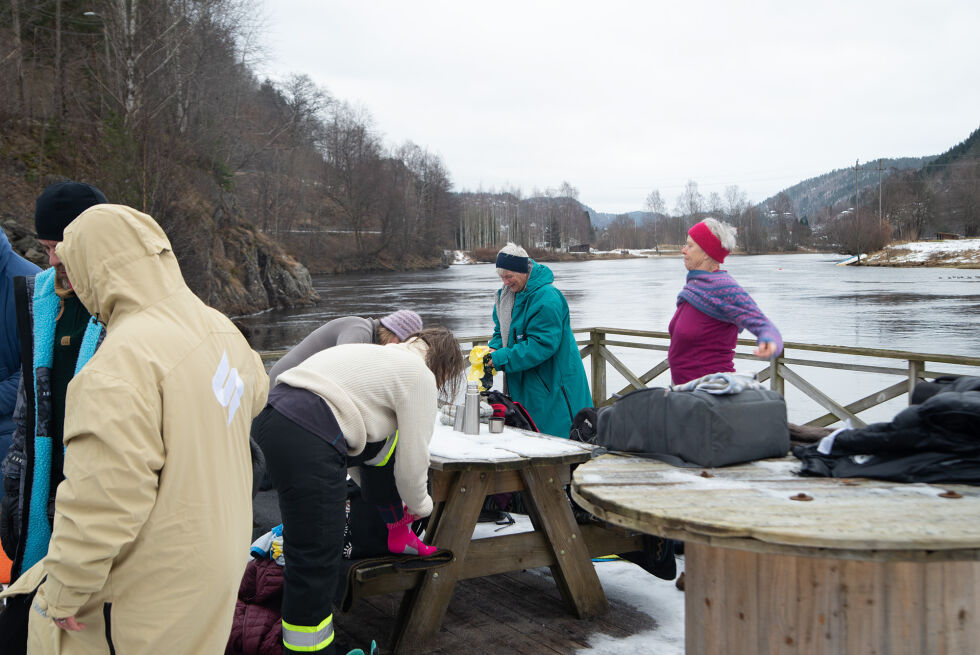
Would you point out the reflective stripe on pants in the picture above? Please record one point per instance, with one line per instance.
(308, 638)
(310, 476)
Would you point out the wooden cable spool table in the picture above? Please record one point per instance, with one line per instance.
(778, 563)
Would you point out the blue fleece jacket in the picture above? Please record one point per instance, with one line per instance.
(11, 266)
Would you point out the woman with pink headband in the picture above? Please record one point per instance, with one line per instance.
(712, 309)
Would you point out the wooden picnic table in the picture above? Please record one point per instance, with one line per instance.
(849, 566)
(464, 470)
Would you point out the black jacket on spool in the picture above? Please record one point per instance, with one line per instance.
(936, 441)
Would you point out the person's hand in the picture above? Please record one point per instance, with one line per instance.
(765, 350)
(487, 380)
(70, 624)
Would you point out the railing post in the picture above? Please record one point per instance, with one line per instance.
(776, 381)
(915, 369)
(598, 369)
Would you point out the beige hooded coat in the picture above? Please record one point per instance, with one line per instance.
(154, 516)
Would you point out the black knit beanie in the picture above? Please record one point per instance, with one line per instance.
(59, 204)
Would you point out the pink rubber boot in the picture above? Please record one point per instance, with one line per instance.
(402, 541)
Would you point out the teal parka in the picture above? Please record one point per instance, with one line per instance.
(542, 363)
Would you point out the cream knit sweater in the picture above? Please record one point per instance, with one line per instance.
(374, 390)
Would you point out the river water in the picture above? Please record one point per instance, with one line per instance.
(926, 310)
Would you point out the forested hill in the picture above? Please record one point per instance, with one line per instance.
(260, 183)
(255, 182)
(811, 196)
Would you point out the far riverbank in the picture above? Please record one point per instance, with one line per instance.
(951, 253)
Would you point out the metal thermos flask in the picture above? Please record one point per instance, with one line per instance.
(471, 410)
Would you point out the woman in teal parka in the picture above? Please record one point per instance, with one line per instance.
(533, 343)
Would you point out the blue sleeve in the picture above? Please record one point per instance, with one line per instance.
(748, 316)
(8, 391)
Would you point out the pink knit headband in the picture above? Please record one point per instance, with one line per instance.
(704, 237)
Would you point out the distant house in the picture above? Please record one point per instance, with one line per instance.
(943, 236)
(579, 247)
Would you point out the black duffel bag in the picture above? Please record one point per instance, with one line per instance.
(690, 428)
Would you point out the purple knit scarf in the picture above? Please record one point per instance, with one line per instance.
(722, 298)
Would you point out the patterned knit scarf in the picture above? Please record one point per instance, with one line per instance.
(722, 298)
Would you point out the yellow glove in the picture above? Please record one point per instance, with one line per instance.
(477, 372)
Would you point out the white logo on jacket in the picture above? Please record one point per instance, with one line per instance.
(227, 386)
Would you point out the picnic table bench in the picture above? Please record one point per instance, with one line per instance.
(464, 469)
(778, 563)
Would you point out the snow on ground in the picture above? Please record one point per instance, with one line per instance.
(460, 257)
(658, 599)
(951, 252)
(627, 583)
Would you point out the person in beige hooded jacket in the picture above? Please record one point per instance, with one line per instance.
(153, 519)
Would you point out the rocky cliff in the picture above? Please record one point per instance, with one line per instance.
(225, 260)
(232, 266)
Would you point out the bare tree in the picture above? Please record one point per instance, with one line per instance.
(735, 201)
(647, 232)
(908, 204)
(566, 190)
(655, 203)
(751, 234)
(353, 156)
(781, 205)
(622, 232)
(690, 202)
(861, 234)
(59, 72)
(18, 55)
(964, 197)
(715, 205)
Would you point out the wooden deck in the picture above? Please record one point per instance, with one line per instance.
(507, 614)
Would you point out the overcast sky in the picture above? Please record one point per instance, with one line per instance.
(619, 98)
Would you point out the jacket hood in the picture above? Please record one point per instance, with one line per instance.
(540, 276)
(118, 260)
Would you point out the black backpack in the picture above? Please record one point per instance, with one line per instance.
(514, 413)
(585, 425)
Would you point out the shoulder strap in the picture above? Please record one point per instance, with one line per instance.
(22, 300)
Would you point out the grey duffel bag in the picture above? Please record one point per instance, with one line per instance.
(694, 427)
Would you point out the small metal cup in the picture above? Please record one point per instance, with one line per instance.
(496, 424)
(458, 418)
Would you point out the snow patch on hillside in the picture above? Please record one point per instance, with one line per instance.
(461, 257)
(955, 252)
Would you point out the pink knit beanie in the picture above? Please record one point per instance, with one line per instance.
(402, 323)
